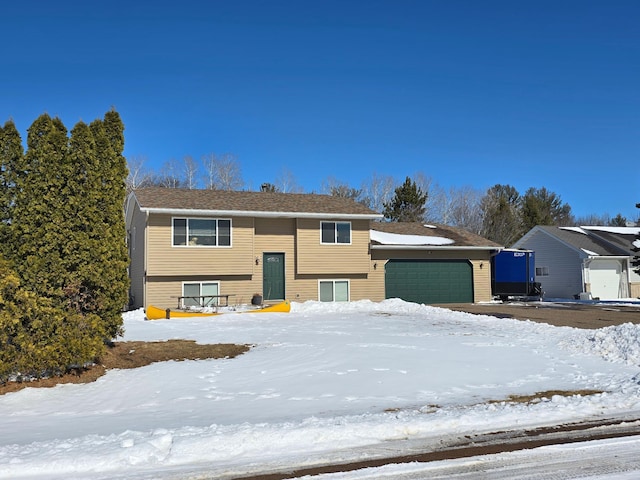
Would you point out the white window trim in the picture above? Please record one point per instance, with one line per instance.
(200, 282)
(333, 281)
(335, 242)
(202, 246)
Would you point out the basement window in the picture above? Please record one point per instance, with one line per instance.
(333, 290)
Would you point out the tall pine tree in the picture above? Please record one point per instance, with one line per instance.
(408, 204)
(542, 207)
(501, 214)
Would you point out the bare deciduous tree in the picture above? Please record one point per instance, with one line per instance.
(287, 182)
(190, 173)
(465, 209)
(222, 172)
(377, 191)
(138, 176)
(169, 175)
(438, 206)
(333, 186)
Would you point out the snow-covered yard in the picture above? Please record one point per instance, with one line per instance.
(327, 381)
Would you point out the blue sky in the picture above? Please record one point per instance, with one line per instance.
(470, 93)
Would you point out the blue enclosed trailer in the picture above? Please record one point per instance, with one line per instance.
(513, 274)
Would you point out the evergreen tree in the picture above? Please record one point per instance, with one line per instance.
(37, 337)
(44, 237)
(68, 233)
(541, 207)
(618, 221)
(501, 215)
(11, 161)
(408, 204)
(110, 239)
(37, 226)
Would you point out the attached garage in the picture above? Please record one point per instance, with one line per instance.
(607, 279)
(429, 281)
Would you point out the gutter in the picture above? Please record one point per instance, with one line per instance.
(433, 247)
(262, 214)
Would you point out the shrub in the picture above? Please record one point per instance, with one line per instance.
(38, 339)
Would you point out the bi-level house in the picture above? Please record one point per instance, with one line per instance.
(241, 244)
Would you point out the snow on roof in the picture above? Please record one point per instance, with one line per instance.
(400, 239)
(636, 244)
(618, 230)
(589, 252)
(574, 229)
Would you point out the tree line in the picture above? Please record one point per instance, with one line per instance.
(500, 213)
(63, 254)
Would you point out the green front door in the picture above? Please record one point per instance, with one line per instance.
(429, 281)
(273, 276)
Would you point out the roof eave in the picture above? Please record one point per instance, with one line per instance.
(434, 247)
(261, 214)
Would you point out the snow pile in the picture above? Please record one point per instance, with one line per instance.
(620, 343)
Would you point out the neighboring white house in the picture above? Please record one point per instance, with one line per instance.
(588, 262)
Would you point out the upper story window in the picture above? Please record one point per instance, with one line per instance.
(335, 232)
(202, 232)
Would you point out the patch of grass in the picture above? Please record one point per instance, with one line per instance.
(541, 396)
(125, 355)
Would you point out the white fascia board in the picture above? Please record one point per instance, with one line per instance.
(260, 214)
(433, 247)
(128, 214)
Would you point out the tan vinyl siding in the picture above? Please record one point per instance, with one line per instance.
(316, 258)
(634, 290)
(166, 259)
(163, 292)
(275, 235)
(481, 280)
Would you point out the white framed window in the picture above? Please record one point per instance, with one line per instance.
(335, 233)
(198, 294)
(333, 290)
(201, 232)
(542, 271)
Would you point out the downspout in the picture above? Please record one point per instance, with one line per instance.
(585, 277)
(625, 280)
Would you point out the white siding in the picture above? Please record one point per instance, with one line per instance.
(563, 262)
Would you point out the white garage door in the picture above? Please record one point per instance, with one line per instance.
(605, 279)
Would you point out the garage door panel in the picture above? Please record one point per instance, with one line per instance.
(429, 281)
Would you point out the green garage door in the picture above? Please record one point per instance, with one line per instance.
(429, 281)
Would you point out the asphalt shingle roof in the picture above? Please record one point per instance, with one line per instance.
(583, 241)
(247, 201)
(460, 237)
